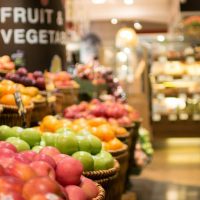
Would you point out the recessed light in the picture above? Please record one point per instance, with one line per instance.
(137, 26)
(114, 21)
(128, 2)
(98, 1)
(161, 38)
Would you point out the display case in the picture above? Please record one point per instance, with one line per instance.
(175, 90)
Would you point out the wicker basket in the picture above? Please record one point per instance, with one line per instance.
(122, 156)
(126, 139)
(70, 96)
(9, 116)
(106, 178)
(101, 195)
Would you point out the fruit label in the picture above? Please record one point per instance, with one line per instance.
(20, 105)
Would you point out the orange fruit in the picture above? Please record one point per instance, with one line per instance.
(7, 82)
(8, 99)
(119, 131)
(106, 146)
(97, 121)
(63, 123)
(115, 144)
(49, 123)
(95, 131)
(106, 131)
(30, 91)
(7, 89)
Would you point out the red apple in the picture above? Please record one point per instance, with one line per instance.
(21, 158)
(29, 155)
(10, 183)
(60, 157)
(75, 193)
(6, 157)
(21, 170)
(50, 151)
(7, 145)
(68, 171)
(48, 196)
(40, 185)
(43, 169)
(89, 187)
(46, 158)
(10, 195)
(2, 171)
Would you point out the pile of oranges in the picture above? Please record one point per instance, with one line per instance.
(8, 88)
(99, 127)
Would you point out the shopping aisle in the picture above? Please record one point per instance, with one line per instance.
(174, 173)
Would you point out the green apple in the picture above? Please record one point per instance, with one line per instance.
(49, 139)
(5, 132)
(84, 144)
(31, 136)
(37, 149)
(67, 144)
(16, 131)
(103, 161)
(95, 143)
(86, 159)
(84, 133)
(65, 131)
(21, 145)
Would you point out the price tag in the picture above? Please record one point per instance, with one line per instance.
(172, 117)
(183, 116)
(21, 108)
(156, 117)
(196, 117)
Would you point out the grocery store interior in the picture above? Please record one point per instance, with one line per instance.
(100, 100)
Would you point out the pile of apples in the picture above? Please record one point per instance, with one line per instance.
(64, 80)
(47, 175)
(83, 146)
(115, 112)
(22, 76)
(6, 65)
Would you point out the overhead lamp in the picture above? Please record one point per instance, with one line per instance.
(128, 2)
(99, 1)
(114, 21)
(137, 26)
(126, 37)
(161, 38)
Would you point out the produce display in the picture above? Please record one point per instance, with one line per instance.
(46, 175)
(101, 75)
(115, 112)
(6, 65)
(99, 127)
(83, 146)
(29, 95)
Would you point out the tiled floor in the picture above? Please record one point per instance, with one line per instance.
(174, 173)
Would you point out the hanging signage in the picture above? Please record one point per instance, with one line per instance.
(36, 28)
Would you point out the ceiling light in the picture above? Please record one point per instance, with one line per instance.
(114, 21)
(128, 2)
(137, 26)
(161, 38)
(98, 1)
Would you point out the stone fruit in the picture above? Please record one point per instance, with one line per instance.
(68, 171)
(20, 145)
(86, 159)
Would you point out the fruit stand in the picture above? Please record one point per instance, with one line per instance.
(58, 148)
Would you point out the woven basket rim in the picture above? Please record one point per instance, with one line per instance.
(101, 195)
(103, 173)
(30, 107)
(120, 151)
